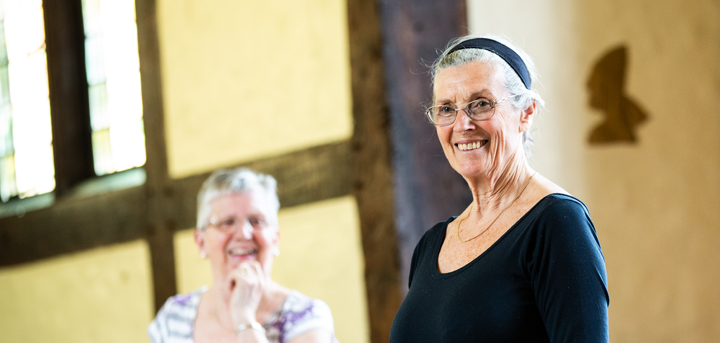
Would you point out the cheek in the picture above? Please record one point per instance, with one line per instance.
(264, 239)
(444, 134)
(217, 243)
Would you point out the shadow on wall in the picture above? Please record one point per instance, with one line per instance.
(607, 86)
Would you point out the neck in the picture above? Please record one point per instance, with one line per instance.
(501, 185)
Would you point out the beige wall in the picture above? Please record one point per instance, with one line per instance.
(655, 203)
(245, 79)
(101, 295)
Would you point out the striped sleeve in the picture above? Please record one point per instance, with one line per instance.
(174, 321)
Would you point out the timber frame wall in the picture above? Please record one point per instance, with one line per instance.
(396, 204)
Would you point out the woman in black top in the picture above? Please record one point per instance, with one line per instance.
(522, 263)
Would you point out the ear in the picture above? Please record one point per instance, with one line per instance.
(276, 238)
(527, 116)
(199, 236)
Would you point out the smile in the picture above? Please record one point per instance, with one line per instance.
(471, 146)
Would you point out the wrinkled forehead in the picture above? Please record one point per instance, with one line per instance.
(458, 83)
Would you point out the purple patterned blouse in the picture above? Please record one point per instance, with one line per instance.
(298, 314)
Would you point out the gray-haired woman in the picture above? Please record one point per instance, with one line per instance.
(522, 263)
(237, 229)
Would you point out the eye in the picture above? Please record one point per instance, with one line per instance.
(256, 222)
(444, 110)
(226, 224)
(481, 103)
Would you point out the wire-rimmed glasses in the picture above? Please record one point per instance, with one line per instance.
(480, 109)
(230, 224)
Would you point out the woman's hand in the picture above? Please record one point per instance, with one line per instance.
(246, 285)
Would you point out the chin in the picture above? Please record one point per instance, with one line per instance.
(470, 169)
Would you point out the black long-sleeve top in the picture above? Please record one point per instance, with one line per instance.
(544, 280)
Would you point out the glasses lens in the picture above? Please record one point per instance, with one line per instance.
(442, 115)
(481, 109)
(226, 224)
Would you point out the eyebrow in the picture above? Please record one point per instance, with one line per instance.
(474, 96)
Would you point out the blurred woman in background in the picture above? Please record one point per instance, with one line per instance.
(237, 229)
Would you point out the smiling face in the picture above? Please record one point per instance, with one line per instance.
(242, 227)
(479, 148)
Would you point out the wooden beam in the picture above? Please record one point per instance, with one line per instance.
(160, 195)
(414, 31)
(306, 176)
(67, 82)
(72, 225)
(372, 171)
(77, 223)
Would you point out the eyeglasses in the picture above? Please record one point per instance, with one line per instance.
(480, 109)
(229, 224)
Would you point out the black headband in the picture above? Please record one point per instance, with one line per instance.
(507, 54)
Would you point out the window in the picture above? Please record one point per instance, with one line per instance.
(113, 75)
(26, 156)
(113, 94)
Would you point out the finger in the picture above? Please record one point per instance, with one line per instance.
(259, 272)
(244, 273)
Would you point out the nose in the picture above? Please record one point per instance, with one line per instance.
(463, 122)
(244, 229)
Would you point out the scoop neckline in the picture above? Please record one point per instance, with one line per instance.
(436, 274)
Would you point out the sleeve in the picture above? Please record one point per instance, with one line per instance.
(567, 273)
(414, 261)
(174, 322)
(421, 247)
(157, 330)
(307, 315)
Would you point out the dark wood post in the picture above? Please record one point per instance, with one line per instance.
(372, 170)
(67, 81)
(427, 189)
(162, 220)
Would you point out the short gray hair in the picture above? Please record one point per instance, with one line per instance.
(238, 180)
(523, 96)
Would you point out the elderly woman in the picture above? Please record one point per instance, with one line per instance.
(522, 263)
(237, 230)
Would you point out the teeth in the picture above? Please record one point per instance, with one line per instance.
(470, 146)
(242, 251)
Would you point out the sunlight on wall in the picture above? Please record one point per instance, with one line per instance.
(101, 295)
(244, 79)
(321, 256)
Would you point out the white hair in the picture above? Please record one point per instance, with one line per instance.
(238, 180)
(522, 98)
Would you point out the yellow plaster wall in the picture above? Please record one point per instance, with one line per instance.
(654, 204)
(321, 256)
(102, 295)
(244, 79)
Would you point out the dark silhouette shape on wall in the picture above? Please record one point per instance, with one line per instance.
(607, 93)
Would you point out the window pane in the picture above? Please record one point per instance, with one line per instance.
(113, 70)
(26, 159)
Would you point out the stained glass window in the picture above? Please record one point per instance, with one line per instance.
(26, 157)
(113, 74)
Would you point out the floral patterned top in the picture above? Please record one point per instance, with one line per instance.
(298, 314)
